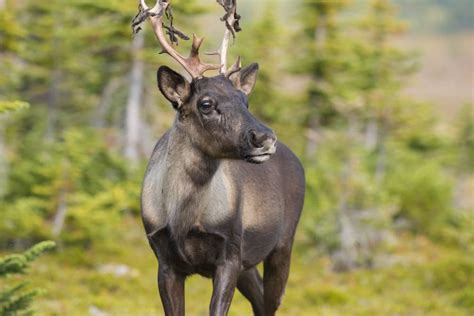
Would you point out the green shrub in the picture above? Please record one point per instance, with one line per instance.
(326, 297)
(81, 176)
(10, 106)
(466, 298)
(450, 275)
(16, 300)
(423, 192)
(453, 276)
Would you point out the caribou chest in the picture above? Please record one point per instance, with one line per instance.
(171, 198)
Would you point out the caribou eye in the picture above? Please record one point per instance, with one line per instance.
(206, 106)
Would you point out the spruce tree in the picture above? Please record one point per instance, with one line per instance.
(16, 300)
(324, 52)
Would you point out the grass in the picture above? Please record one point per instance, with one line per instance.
(425, 279)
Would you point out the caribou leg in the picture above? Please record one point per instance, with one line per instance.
(224, 282)
(276, 268)
(250, 284)
(170, 282)
(171, 286)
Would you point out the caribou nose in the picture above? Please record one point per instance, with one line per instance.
(262, 139)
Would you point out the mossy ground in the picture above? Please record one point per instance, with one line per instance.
(423, 279)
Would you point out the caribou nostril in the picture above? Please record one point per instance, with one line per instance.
(261, 139)
(256, 139)
(272, 138)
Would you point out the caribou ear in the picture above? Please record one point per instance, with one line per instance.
(173, 86)
(245, 79)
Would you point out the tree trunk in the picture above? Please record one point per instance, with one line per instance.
(105, 101)
(3, 160)
(3, 149)
(312, 136)
(132, 132)
(371, 134)
(375, 140)
(345, 259)
(381, 158)
(312, 133)
(61, 210)
(60, 216)
(52, 104)
(54, 85)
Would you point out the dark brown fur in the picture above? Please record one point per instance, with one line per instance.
(211, 205)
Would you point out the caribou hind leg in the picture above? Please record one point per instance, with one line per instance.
(250, 284)
(276, 269)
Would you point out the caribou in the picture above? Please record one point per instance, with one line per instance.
(220, 194)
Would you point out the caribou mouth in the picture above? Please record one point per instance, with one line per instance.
(260, 155)
(257, 158)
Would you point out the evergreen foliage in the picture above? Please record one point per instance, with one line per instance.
(366, 145)
(10, 106)
(16, 300)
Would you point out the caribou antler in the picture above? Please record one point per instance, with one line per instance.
(234, 68)
(191, 64)
(231, 19)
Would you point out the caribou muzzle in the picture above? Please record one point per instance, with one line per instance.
(262, 144)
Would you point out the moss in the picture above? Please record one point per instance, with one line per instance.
(465, 299)
(429, 279)
(326, 296)
(454, 274)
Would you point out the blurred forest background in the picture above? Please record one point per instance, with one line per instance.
(375, 97)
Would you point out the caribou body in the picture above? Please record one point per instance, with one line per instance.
(220, 194)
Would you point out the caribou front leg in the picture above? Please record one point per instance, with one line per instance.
(170, 282)
(224, 283)
(171, 287)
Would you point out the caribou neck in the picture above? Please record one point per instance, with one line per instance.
(194, 165)
(188, 175)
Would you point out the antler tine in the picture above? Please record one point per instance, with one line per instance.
(231, 19)
(223, 50)
(234, 68)
(194, 59)
(152, 10)
(144, 6)
(191, 64)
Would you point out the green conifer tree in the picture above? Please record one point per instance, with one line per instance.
(16, 300)
(324, 54)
